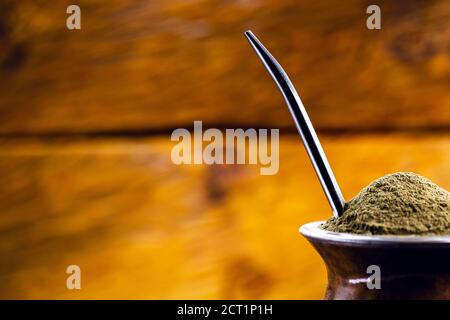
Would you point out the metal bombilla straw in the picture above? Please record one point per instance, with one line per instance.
(304, 126)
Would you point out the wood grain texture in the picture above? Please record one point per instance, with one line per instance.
(160, 64)
(141, 227)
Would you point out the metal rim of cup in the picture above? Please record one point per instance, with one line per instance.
(314, 232)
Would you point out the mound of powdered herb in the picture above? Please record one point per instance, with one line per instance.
(399, 203)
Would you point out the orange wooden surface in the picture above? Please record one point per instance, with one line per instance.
(138, 64)
(141, 227)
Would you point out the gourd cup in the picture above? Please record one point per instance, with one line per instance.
(382, 267)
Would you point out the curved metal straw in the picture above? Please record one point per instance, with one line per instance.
(304, 126)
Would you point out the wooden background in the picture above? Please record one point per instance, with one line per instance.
(86, 117)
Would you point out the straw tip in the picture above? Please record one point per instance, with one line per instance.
(248, 33)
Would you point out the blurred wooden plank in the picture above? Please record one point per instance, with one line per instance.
(159, 64)
(141, 227)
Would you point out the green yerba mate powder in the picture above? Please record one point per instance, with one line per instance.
(397, 204)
